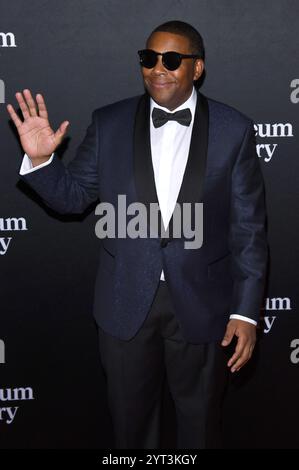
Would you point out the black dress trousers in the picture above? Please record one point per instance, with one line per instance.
(135, 371)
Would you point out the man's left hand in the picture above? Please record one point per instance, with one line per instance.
(246, 334)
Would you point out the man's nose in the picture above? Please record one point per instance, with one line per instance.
(159, 67)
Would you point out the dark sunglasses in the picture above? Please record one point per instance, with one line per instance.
(171, 60)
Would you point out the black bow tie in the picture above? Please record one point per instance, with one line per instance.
(160, 117)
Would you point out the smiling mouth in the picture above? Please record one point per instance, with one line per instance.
(160, 84)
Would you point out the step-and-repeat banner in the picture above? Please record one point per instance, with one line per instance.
(83, 55)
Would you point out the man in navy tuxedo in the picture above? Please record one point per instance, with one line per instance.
(163, 310)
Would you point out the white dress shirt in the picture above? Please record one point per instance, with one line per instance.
(170, 148)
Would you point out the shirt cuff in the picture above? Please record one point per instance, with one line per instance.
(27, 166)
(240, 317)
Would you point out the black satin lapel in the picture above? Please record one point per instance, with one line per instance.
(192, 184)
(143, 167)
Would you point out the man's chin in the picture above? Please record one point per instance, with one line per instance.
(162, 99)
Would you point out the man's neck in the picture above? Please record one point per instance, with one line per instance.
(190, 99)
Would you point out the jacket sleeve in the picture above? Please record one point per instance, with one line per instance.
(72, 189)
(248, 241)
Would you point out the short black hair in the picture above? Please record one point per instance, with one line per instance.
(186, 30)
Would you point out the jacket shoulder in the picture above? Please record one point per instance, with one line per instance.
(117, 108)
(224, 112)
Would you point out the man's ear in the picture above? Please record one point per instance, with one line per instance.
(198, 69)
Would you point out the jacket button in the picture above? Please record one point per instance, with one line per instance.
(164, 242)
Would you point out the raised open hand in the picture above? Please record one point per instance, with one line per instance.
(37, 137)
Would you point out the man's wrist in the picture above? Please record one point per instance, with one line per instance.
(27, 166)
(243, 318)
(39, 161)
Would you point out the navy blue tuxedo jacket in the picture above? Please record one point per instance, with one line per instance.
(226, 275)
